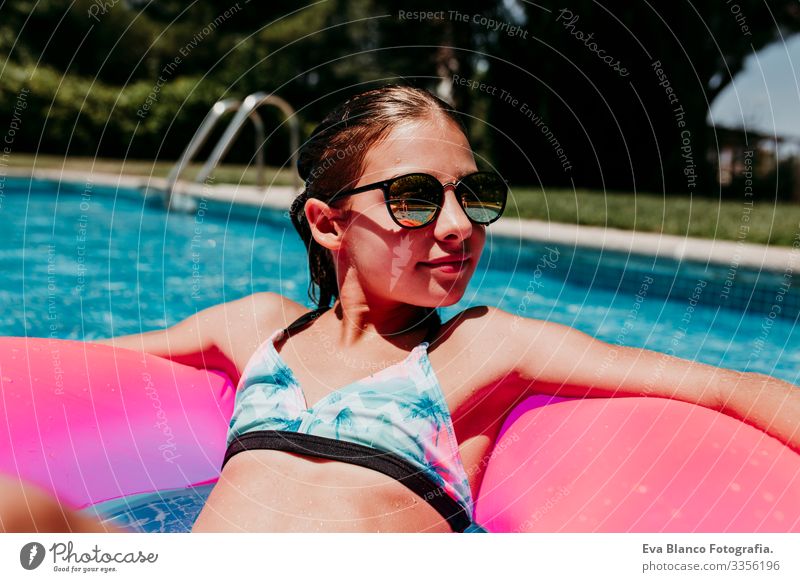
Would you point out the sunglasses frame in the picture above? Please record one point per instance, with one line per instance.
(385, 186)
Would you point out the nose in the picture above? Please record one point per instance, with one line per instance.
(452, 222)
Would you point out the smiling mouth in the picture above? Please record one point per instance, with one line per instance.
(449, 266)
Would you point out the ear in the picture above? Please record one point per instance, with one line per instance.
(326, 223)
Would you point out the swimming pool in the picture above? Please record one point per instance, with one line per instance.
(83, 261)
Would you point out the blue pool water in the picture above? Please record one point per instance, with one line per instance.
(86, 265)
(83, 261)
(170, 511)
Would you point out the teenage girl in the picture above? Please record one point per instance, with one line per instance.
(368, 413)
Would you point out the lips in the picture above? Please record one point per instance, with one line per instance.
(449, 260)
(448, 265)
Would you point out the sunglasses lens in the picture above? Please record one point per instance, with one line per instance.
(414, 199)
(483, 196)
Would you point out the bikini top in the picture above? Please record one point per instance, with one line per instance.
(395, 421)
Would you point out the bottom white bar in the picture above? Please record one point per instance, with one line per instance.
(353, 557)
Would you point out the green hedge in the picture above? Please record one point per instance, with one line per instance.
(76, 116)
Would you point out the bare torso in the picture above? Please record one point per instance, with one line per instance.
(277, 491)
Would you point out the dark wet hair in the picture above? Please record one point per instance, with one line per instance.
(332, 160)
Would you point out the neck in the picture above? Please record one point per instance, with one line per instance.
(396, 323)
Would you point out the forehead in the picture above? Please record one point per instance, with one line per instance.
(436, 146)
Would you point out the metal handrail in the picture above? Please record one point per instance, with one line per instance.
(219, 109)
(248, 108)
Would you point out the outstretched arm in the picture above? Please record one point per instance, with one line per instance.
(209, 338)
(555, 359)
(193, 341)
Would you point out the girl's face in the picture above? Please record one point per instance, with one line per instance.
(388, 262)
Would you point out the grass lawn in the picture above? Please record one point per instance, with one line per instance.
(226, 173)
(776, 224)
(766, 222)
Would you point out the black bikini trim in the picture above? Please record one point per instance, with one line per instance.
(387, 463)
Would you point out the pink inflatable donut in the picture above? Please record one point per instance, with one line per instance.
(636, 465)
(91, 423)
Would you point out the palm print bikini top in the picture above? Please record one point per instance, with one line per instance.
(395, 421)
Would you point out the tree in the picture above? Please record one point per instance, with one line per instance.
(644, 130)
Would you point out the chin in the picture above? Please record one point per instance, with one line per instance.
(445, 298)
(433, 299)
(450, 300)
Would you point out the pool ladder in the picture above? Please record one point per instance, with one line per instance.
(247, 109)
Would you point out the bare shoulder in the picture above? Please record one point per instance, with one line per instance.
(474, 328)
(265, 308)
(538, 349)
(480, 346)
(508, 336)
(280, 310)
(490, 323)
(241, 325)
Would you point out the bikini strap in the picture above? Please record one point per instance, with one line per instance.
(304, 319)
